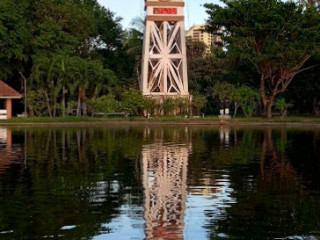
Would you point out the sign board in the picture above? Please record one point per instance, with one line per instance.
(167, 11)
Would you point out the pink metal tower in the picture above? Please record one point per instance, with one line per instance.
(164, 65)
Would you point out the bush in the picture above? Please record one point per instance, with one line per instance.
(36, 103)
(182, 104)
(168, 106)
(198, 101)
(133, 102)
(281, 105)
(105, 104)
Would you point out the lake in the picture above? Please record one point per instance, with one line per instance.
(140, 182)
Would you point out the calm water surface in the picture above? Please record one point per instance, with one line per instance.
(161, 183)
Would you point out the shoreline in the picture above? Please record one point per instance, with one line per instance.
(215, 123)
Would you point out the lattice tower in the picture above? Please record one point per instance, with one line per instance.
(164, 64)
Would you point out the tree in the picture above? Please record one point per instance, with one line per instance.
(59, 46)
(248, 99)
(197, 103)
(46, 75)
(204, 70)
(133, 102)
(224, 91)
(277, 37)
(282, 106)
(14, 35)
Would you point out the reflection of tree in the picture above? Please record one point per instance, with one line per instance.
(273, 163)
(164, 170)
(273, 203)
(217, 149)
(74, 176)
(304, 155)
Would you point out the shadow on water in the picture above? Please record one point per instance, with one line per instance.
(159, 183)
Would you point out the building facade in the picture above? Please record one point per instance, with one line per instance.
(7, 94)
(198, 33)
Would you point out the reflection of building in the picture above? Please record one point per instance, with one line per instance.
(224, 133)
(164, 181)
(5, 137)
(8, 154)
(198, 33)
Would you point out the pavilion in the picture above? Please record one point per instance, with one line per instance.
(6, 95)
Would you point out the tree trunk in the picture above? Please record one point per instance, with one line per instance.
(54, 99)
(63, 102)
(84, 109)
(316, 106)
(48, 103)
(268, 107)
(79, 105)
(267, 100)
(55, 106)
(236, 106)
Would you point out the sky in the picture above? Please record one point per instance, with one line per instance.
(130, 9)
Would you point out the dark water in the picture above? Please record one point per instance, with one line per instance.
(159, 183)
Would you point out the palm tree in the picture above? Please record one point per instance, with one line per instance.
(46, 75)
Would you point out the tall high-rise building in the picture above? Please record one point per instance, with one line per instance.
(198, 33)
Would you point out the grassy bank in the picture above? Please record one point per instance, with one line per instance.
(240, 120)
(106, 119)
(290, 119)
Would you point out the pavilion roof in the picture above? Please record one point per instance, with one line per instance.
(8, 92)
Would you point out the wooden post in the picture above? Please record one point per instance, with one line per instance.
(9, 108)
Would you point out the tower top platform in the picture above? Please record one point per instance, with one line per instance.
(164, 3)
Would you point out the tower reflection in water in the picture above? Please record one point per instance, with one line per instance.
(164, 172)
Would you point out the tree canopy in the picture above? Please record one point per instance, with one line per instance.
(276, 37)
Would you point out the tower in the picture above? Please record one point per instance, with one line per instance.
(164, 63)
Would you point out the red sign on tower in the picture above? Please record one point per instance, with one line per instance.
(169, 11)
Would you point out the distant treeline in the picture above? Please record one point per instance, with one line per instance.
(78, 59)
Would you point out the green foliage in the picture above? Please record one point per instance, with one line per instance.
(247, 98)
(224, 91)
(197, 103)
(150, 105)
(133, 102)
(266, 31)
(105, 104)
(196, 49)
(14, 35)
(58, 45)
(277, 37)
(204, 70)
(36, 103)
(281, 105)
(181, 105)
(168, 106)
